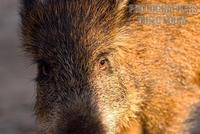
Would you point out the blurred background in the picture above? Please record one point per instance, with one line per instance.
(17, 90)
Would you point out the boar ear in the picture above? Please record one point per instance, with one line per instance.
(121, 4)
(28, 4)
(124, 4)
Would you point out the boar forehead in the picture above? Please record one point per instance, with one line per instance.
(71, 28)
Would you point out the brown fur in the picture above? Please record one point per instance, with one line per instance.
(151, 84)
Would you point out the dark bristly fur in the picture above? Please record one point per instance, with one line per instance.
(99, 72)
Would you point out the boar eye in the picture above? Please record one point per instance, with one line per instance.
(103, 64)
(43, 70)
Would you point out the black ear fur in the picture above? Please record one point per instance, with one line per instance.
(28, 4)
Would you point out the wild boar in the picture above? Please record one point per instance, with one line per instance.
(101, 72)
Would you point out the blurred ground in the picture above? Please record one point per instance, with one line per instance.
(16, 75)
